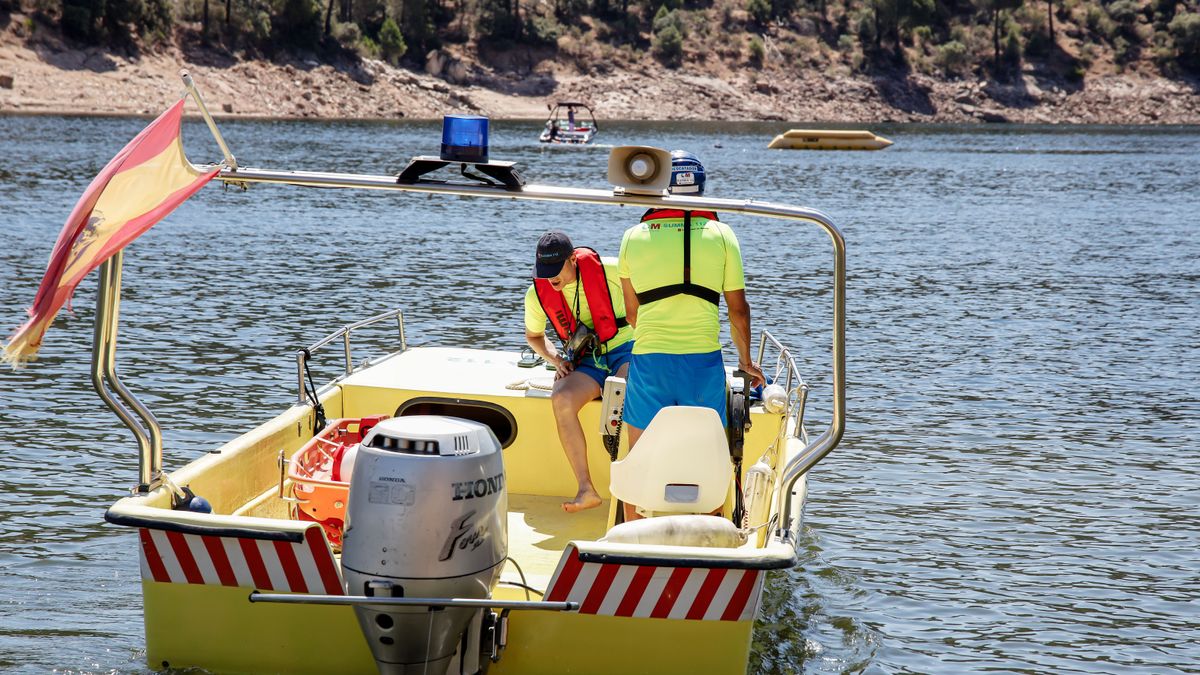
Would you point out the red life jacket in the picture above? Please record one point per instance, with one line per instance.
(590, 271)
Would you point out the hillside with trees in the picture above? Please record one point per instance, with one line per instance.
(915, 56)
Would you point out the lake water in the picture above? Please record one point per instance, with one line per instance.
(1019, 485)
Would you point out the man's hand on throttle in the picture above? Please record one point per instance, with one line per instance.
(756, 375)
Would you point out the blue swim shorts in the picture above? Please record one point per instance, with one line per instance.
(660, 380)
(600, 367)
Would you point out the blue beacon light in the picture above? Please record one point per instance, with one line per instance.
(465, 138)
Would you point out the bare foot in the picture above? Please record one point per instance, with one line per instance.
(586, 499)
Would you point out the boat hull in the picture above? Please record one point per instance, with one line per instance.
(217, 629)
(645, 610)
(568, 137)
(670, 609)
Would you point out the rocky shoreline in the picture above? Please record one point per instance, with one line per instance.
(49, 78)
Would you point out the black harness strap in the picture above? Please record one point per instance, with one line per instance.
(687, 287)
(663, 292)
(687, 249)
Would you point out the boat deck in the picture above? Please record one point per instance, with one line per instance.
(487, 386)
(455, 371)
(538, 531)
(468, 382)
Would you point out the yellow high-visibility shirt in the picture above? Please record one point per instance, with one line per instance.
(652, 256)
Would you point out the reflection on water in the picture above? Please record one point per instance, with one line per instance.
(1017, 486)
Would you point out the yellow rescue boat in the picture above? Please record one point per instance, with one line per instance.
(827, 139)
(420, 528)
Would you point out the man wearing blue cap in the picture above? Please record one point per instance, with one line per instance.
(578, 293)
(675, 267)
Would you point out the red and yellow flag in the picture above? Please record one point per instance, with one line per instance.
(144, 183)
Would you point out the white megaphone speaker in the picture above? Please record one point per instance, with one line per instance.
(640, 169)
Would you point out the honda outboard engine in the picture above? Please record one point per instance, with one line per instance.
(427, 518)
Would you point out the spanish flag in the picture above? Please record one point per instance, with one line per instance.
(144, 183)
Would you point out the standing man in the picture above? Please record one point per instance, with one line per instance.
(574, 286)
(675, 266)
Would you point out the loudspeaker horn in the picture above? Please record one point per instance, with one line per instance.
(640, 169)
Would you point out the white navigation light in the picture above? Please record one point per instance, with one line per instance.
(465, 138)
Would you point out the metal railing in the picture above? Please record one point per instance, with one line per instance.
(302, 355)
(784, 361)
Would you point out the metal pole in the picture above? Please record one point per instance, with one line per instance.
(304, 599)
(150, 422)
(230, 160)
(108, 298)
(829, 439)
(786, 357)
(801, 399)
(301, 397)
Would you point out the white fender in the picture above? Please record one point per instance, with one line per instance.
(681, 530)
(757, 490)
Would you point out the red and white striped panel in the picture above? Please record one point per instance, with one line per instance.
(306, 567)
(641, 591)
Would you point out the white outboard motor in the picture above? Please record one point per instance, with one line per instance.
(427, 518)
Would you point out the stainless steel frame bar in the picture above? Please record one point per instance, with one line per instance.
(230, 160)
(305, 599)
(793, 376)
(813, 452)
(104, 376)
(344, 333)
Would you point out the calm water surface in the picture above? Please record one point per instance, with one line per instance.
(1017, 490)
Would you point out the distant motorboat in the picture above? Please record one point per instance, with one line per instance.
(564, 126)
(828, 139)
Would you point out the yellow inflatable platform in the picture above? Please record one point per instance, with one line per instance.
(818, 139)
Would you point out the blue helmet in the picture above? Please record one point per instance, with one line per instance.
(687, 173)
